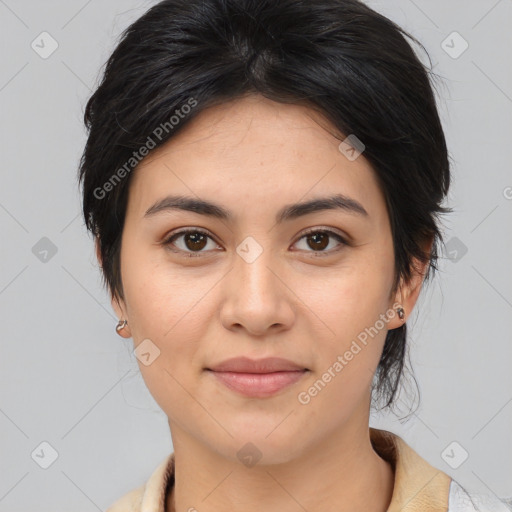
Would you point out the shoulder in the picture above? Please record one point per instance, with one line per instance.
(151, 495)
(461, 500)
(130, 502)
(418, 483)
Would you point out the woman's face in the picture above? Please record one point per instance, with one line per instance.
(257, 285)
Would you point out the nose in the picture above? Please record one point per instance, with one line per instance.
(257, 298)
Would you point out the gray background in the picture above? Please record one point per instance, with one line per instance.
(68, 380)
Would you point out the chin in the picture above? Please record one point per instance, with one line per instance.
(261, 444)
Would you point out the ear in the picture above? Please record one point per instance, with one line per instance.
(117, 306)
(408, 292)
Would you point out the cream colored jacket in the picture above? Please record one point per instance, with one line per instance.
(418, 486)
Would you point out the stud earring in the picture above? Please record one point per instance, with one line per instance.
(121, 325)
(401, 313)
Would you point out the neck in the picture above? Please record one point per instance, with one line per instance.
(343, 473)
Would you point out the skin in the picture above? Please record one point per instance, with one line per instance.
(252, 156)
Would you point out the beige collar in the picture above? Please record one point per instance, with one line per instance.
(418, 486)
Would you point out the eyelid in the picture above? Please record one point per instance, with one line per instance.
(185, 231)
(326, 229)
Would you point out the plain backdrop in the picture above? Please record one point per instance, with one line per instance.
(71, 395)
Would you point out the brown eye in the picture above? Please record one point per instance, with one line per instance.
(195, 241)
(318, 240)
(191, 241)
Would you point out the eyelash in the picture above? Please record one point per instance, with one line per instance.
(191, 254)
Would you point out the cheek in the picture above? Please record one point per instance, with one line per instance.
(164, 308)
(175, 342)
(158, 296)
(349, 358)
(353, 309)
(356, 297)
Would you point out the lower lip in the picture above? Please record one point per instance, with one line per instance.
(259, 385)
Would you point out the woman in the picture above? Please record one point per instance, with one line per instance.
(263, 180)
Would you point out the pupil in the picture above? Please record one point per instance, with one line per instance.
(319, 244)
(195, 238)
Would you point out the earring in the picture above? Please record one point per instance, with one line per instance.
(401, 313)
(121, 325)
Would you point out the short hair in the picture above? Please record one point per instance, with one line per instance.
(338, 57)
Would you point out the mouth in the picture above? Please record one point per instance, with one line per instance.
(257, 378)
(258, 385)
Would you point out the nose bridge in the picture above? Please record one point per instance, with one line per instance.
(256, 297)
(252, 268)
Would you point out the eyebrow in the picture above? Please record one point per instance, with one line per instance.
(288, 212)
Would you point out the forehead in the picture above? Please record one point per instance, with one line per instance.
(270, 124)
(254, 150)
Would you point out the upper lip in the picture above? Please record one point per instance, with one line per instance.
(247, 365)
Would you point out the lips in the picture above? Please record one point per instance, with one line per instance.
(267, 365)
(257, 378)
